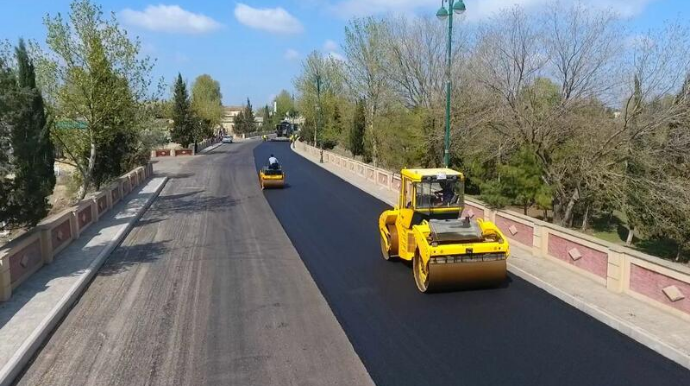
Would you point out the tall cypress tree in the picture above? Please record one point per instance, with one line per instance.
(183, 126)
(358, 127)
(266, 123)
(8, 97)
(250, 122)
(34, 154)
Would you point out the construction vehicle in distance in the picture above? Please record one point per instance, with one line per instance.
(448, 251)
(285, 129)
(271, 177)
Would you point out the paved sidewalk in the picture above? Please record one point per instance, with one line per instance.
(38, 305)
(660, 331)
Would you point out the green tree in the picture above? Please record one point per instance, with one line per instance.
(201, 128)
(402, 130)
(522, 182)
(207, 100)
(285, 106)
(333, 127)
(367, 68)
(358, 128)
(34, 155)
(266, 123)
(492, 193)
(333, 89)
(183, 126)
(93, 74)
(244, 122)
(8, 108)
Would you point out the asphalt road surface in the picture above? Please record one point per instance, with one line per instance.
(514, 335)
(206, 290)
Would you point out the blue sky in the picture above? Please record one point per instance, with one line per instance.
(254, 48)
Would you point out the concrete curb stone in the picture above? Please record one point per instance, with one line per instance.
(22, 357)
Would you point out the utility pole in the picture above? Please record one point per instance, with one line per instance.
(454, 6)
(318, 118)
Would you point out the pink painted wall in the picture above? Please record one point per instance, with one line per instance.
(84, 217)
(592, 260)
(396, 183)
(650, 284)
(60, 235)
(115, 194)
(525, 232)
(383, 179)
(25, 260)
(126, 187)
(102, 203)
(478, 212)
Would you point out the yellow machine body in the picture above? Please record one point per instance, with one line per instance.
(447, 251)
(269, 178)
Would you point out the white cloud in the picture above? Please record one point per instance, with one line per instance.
(169, 18)
(291, 54)
(331, 48)
(330, 45)
(476, 9)
(336, 56)
(274, 20)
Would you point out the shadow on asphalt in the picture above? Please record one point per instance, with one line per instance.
(174, 176)
(127, 256)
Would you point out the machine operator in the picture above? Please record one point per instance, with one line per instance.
(273, 162)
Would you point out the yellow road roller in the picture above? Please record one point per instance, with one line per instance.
(448, 250)
(271, 177)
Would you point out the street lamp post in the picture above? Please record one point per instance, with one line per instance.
(318, 118)
(454, 6)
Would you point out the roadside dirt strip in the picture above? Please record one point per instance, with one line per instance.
(206, 290)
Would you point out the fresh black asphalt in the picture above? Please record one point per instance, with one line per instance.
(514, 335)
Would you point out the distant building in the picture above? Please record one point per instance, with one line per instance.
(228, 120)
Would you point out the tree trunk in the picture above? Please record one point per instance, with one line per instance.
(524, 210)
(585, 219)
(86, 177)
(678, 252)
(546, 215)
(568, 216)
(631, 234)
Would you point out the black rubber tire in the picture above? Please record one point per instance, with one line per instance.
(422, 285)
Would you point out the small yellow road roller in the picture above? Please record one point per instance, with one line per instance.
(448, 250)
(271, 177)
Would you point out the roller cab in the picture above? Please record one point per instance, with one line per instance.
(448, 251)
(271, 177)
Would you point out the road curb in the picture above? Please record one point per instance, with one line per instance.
(618, 324)
(27, 350)
(211, 148)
